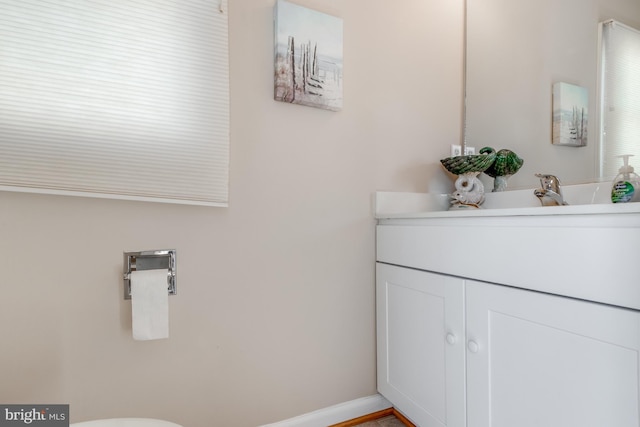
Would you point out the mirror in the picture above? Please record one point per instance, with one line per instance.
(515, 51)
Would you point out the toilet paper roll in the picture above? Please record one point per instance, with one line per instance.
(150, 304)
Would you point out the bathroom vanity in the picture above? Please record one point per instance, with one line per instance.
(525, 316)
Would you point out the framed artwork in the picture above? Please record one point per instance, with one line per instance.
(308, 57)
(570, 114)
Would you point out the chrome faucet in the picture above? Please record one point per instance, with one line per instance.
(549, 194)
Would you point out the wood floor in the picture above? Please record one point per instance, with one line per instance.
(385, 418)
(390, 421)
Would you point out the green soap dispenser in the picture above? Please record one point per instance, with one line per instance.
(626, 186)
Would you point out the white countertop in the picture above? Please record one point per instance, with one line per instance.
(584, 199)
(583, 251)
(626, 208)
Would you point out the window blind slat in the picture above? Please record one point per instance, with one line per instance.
(119, 98)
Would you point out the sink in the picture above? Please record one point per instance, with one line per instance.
(588, 194)
(579, 194)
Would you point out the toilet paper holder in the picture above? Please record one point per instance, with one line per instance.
(164, 259)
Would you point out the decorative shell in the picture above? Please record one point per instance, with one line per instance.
(459, 165)
(506, 164)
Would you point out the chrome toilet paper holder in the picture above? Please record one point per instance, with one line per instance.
(164, 259)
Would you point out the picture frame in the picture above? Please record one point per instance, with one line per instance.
(570, 115)
(308, 57)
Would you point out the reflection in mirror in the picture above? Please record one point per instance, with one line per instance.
(516, 51)
(620, 89)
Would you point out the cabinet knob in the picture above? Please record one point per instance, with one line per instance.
(473, 346)
(451, 338)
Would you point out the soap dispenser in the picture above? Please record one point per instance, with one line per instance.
(626, 186)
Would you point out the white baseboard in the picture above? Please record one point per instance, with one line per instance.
(337, 413)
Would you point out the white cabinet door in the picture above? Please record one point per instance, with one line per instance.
(421, 345)
(540, 360)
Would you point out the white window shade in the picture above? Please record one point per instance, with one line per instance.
(620, 96)
(115, 98)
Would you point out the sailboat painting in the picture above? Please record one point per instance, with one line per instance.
(570, 114)
(308, 57)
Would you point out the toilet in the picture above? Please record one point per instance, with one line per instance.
(125, 422)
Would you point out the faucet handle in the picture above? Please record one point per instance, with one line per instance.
(549, 182)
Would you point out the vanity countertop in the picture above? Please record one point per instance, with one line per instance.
(584, 251)
(626, 208)
(390, 205)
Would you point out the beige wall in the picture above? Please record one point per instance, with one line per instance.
(275, 311)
